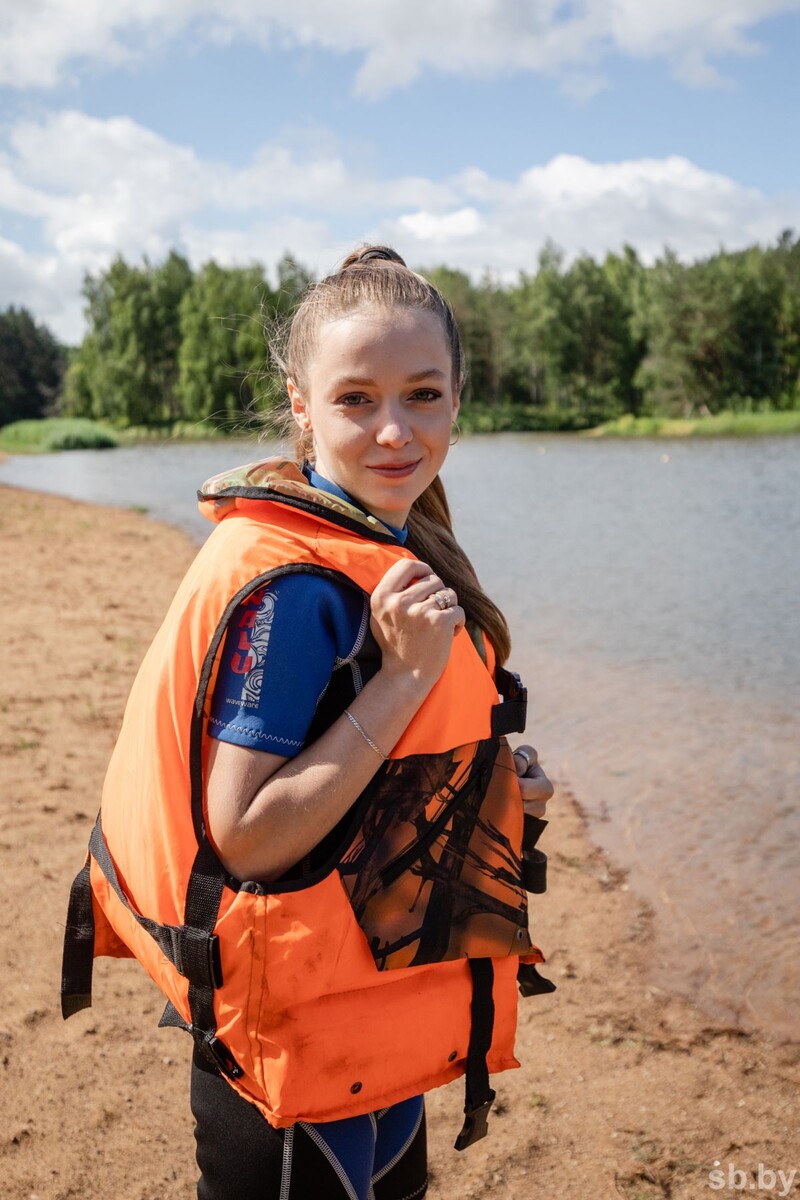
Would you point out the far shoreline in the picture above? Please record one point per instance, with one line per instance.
(50, 434)
(723, 424)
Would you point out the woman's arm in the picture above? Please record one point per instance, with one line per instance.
(265, 812)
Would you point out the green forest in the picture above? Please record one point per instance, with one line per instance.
(568, 346)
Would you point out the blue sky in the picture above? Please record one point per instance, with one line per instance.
(466, 132)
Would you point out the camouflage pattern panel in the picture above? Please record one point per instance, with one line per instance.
(435, 870)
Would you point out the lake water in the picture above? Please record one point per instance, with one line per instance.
(652, 590)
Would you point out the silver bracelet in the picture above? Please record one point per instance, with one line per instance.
(365, 735)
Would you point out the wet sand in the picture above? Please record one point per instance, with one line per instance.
(694, 790)
(625, 1089)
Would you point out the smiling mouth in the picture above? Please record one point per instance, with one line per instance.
(395, 470)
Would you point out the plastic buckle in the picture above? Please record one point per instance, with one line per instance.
(476, 1124)
(219, 1054)
(214, 961)
(531, 983)
(187, 964)
(520, 692)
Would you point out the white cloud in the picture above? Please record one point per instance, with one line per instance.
(42, 41)
(447, 228)
(309, 240)
(596, 207)
(100, 187)
(46, 284)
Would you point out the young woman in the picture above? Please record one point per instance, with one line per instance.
(311, 826)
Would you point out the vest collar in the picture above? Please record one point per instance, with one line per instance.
(282, 479)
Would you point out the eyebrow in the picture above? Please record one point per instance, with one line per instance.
(358, 381)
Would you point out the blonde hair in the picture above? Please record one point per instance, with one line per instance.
(377, 275)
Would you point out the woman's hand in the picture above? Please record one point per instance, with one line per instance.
(410, 623)
(534, 785)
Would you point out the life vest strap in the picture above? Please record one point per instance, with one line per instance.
(210, 1046)
(531, 983)
(203, 897)
(194, 952)
(534, 862)
(511, 714)
(192, 948)
(479, 1096)
(78, 956)
(172, 1019)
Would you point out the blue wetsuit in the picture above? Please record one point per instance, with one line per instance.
(267, 692)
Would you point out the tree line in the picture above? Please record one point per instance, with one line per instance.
(575, 342)
(32, 366)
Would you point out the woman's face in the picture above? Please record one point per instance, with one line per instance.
(380, 403)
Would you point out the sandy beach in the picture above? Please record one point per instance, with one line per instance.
(625, 1090)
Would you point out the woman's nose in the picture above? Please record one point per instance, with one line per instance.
(394, 429)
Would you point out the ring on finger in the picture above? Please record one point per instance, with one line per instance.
(442, 599)
(524, 754)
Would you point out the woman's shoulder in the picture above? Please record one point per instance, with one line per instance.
(307, 603)
(305, 586)
(283, 643)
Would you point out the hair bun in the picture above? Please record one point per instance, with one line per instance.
(370, 254)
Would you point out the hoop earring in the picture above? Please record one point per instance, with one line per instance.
(458, 434)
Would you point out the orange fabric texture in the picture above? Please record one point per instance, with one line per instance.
(321, 1028)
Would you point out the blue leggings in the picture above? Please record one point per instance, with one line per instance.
(378, 1156)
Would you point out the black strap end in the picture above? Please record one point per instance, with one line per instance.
(531, 983)
(172, 1019)
(73, 1003)
(78, 955)
(534, 871)
(476, 1124)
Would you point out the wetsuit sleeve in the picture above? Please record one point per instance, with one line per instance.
(281, 648)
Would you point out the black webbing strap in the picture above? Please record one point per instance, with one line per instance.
(192, 950)
(171, 1018)
(511, 714)
(534, 862)
(203, 896)
(479, 1096)
(78, 957)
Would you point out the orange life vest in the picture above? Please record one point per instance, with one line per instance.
(385, 971)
